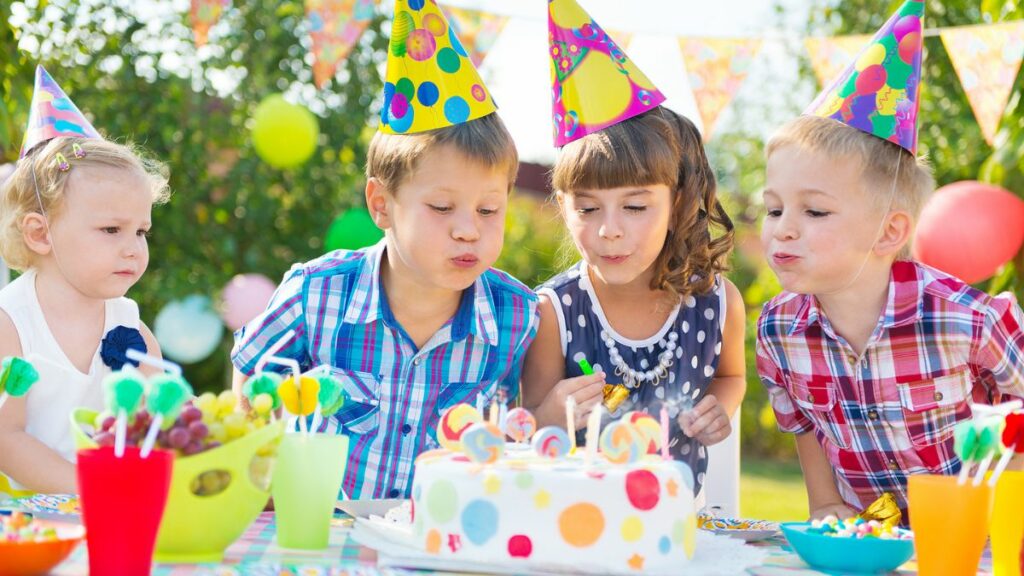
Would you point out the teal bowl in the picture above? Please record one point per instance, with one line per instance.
(845, 555)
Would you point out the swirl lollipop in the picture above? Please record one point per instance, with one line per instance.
(483, 443)
(621, 443)
(520, 424)
(454, 423)
(648, 427)
(551, 442)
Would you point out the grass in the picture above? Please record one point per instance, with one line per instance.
(772, 490)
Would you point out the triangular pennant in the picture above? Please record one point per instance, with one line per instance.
(334, 27)
(431, 82)
(621, 38)
(204, 14)
(987, 59)
(600, 85)
(716, 68)
(829, 55)
(477, 30)
(53, 114)
(879, 92)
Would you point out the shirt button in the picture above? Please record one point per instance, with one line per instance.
(938, 396)
(872, 414)
(394, 493)
(852, 359)
(417, 361)
(893, 465)
(406, 429)
(810, 397)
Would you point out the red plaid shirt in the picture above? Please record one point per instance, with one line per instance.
(890, 413)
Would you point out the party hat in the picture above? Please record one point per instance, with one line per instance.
(593, 83)
(431, 82)
(880, 92)
(53, 114)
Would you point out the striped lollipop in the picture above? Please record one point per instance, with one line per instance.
(551, 442)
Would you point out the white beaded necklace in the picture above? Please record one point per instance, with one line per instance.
(634, 378)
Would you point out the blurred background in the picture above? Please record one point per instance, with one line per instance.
(263, 109)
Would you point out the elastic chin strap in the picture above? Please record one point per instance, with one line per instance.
(46, 217)
(881, 225)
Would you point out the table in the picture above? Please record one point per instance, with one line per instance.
(255, 553)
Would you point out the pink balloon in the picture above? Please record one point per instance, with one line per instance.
(244, 297)
(970, 229)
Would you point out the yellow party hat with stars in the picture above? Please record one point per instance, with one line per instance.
(431, 82)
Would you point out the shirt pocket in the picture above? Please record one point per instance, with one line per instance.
(819, 400)
(931, 408)
(360, 413)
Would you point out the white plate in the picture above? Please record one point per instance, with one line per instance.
(367, 508)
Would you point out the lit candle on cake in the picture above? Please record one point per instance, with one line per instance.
(492, 416)
(570, 422)
(664, 433)
(593, 433)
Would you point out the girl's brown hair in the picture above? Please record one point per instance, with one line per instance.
(659, 147)
(18, 195)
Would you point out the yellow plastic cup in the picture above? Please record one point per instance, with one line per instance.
(950, 524)
(307, 479)
(1008, 524)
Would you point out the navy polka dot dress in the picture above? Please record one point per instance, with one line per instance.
(692, 337)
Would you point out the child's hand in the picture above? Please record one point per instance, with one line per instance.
(588, 390)
(837, 509)
(707, 421)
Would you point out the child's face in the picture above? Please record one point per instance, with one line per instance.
(820, 224)
(620, 231)
(446, 221)
(99, 232)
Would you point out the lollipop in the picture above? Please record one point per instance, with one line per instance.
(300, 400)
(1013, 443)
(648, 427)
(454, 423)
(123, 392)
(551, 442)
(17, 376)
(483, 442)
(332, 395)
(261, 391)
(621, 443)
(167, 394)
(520, 424)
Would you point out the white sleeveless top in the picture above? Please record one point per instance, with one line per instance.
(62, 387)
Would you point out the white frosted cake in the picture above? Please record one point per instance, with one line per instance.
(555, 512)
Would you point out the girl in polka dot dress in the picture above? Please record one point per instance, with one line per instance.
(647, 306)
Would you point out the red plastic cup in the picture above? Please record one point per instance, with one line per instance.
(123, 501)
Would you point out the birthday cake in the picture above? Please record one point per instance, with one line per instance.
(618, 509)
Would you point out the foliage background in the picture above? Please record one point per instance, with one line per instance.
(141, 78)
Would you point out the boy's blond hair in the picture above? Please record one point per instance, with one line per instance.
(879, 160)
(18, 197)
(393, 157)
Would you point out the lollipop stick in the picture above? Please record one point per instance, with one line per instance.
(154, 429)
(143, 358)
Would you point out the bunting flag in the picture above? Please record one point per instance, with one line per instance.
(477, 30)
(986, 58)
(621, 38)
(204, 15)
(829, 56)
(716, 68)
(335, 26)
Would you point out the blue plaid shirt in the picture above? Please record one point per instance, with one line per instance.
(396, 392)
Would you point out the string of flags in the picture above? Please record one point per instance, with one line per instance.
(986, 57)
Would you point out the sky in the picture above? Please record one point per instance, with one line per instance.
(517, 68)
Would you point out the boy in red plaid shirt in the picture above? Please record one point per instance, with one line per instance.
(869, 357)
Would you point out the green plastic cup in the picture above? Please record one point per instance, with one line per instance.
(307, 478)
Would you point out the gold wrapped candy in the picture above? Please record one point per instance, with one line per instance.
(614, 396)
(884, 510)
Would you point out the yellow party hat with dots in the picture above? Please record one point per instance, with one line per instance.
(594, 84)
(431, 82)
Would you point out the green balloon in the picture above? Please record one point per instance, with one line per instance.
(352, 230)
(283, 133)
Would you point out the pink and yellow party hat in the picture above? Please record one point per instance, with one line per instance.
(879, 93)
(53, 114)
(594, 84)
(431, 82)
